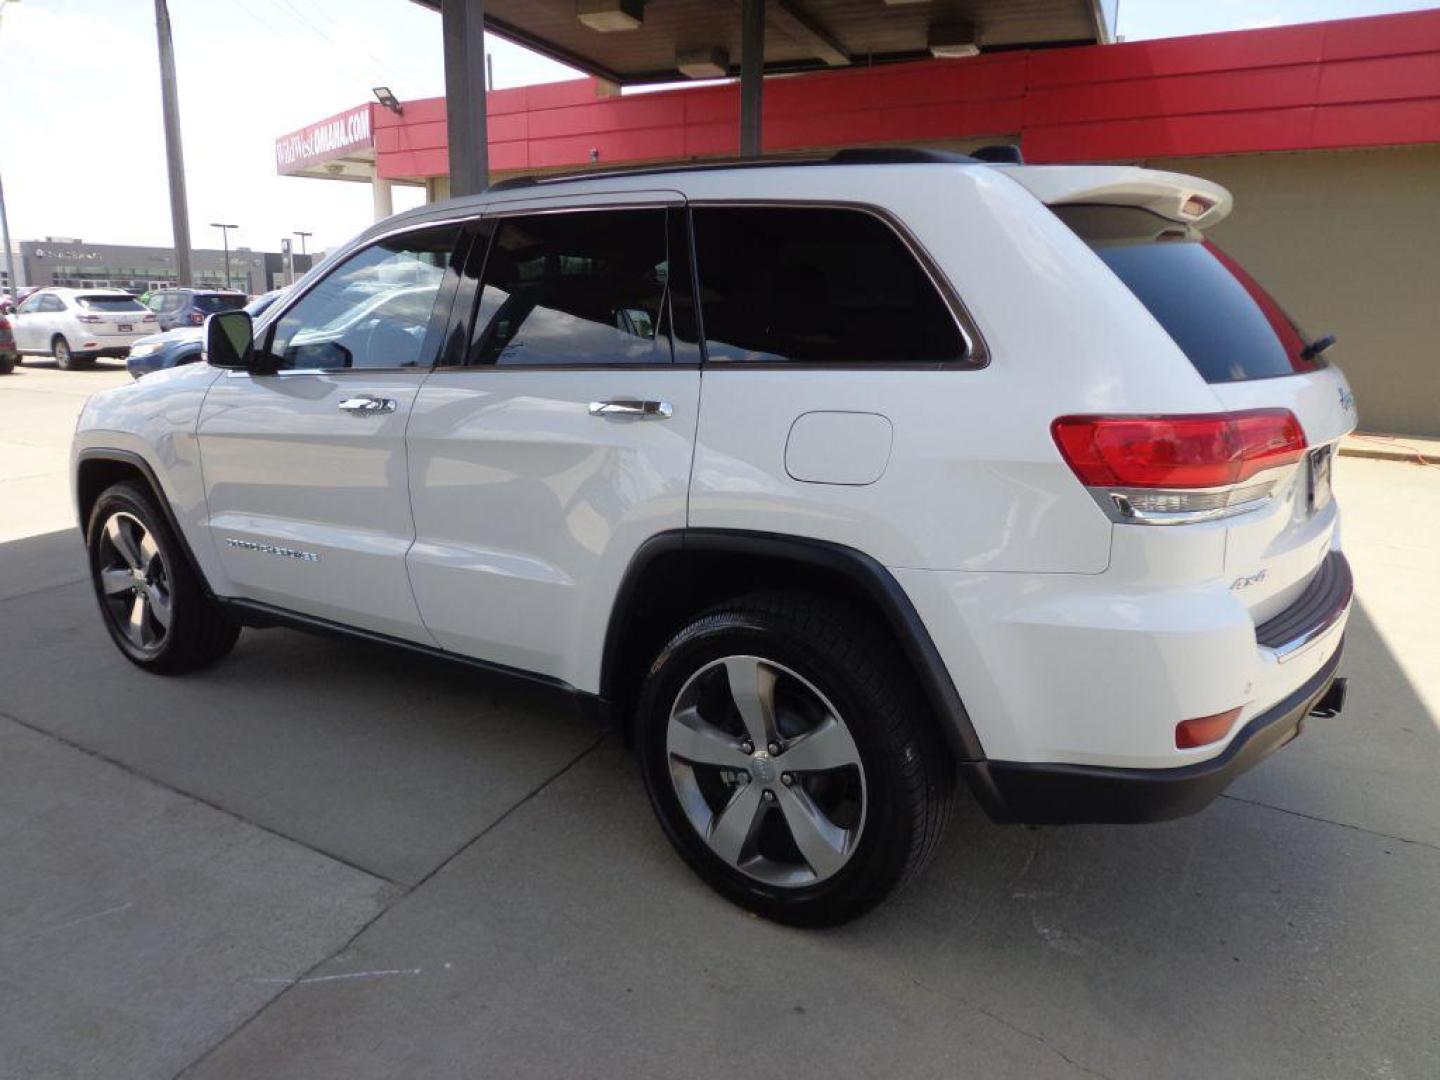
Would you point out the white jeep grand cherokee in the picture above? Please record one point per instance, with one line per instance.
(830, 481)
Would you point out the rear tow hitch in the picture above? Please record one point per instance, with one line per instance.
(1332, 701)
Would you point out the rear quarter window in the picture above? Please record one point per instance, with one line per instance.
(1224, 321)
(817, 285)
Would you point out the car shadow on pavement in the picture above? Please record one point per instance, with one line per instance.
(1289, 929)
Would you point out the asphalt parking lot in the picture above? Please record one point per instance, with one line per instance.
(320, 859)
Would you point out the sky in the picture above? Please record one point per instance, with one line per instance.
(82, 151)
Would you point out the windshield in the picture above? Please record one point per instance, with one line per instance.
(111, 303)
(211, 303)
(1231, 329)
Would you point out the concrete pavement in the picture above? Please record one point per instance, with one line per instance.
(323, 859)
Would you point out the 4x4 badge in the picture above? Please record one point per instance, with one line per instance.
(1248, 580)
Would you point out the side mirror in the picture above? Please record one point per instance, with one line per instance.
(230, 340)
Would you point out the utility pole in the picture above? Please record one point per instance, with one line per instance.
(5, 223)
(225, 239)
(302, 234)
(5, 239)
(174, 156)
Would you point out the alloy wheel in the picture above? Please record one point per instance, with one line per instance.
(766, 771)
(135, 582)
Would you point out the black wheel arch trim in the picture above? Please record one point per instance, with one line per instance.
(129, 457)
(863, 570)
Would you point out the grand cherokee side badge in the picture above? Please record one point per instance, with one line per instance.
(1347, 399)
(271, 549)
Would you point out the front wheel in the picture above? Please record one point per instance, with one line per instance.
(790, 761)
(151, 598)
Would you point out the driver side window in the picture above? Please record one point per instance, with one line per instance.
(371, 311)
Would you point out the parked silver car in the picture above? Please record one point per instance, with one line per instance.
(77, 325)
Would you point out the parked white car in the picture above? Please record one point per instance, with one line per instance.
(76, 325)
(829, 482)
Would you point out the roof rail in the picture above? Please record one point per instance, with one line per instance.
(854, 155)
(897, 155)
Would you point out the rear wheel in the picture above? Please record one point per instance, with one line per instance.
(151, 599)
(65, 360)
(8, 362)
(790, 761)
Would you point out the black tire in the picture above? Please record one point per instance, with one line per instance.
(908, 774)
(198, 632)
(66, 360)
(8, 362)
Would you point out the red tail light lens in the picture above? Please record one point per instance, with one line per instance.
(88, 318)
(1204, 730)
(148, 318)
(1177, 452)
(196, 318)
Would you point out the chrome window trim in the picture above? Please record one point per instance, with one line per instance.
(977, 353)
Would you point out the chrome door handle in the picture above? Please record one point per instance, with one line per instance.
(365, 405)
(646, 410)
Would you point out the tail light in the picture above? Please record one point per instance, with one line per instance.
(88, 318)
(196, 318)
(1167, 470)
(4, 323)
(1204, 730)
(147, 318)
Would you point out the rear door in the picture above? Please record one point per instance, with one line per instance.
(305, 473)
(558, 436)
(1252, 355)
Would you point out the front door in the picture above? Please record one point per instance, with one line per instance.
(558, 438)
(32, 322)
(305, 468)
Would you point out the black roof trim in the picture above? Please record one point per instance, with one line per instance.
(855, 155)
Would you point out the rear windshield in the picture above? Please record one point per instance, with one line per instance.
(111, 303)
(213, 303)
(1231, 329)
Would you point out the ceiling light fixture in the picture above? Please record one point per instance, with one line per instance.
(608, 16)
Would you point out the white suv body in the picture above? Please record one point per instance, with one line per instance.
(909, 390)
(77, 325)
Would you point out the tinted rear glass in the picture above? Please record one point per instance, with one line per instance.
(217, 303)
(816, 285)
(1225, 322)
(111, 303)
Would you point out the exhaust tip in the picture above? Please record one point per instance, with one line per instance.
(1332, 701)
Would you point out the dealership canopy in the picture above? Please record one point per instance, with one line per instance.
(645, 41)
(641, 41)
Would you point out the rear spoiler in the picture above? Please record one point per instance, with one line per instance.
(1175, 196)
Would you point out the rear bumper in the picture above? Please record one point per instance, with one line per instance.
(1044, 794)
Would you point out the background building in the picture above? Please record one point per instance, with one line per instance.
(1327, 133)
(71, 262)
